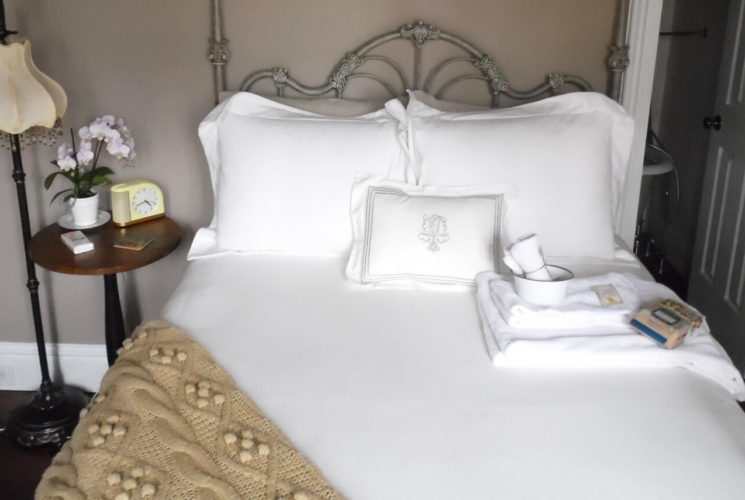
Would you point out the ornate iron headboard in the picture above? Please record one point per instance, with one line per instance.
(481, 65)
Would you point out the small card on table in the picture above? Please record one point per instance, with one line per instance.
(133, 241)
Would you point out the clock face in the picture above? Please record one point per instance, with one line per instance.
(145, 201)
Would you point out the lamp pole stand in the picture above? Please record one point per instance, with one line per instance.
(53, 412)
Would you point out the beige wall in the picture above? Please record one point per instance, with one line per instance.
(145, 60)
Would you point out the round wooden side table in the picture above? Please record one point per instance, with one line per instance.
(48, 251)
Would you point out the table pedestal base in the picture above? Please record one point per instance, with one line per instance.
(114, 319)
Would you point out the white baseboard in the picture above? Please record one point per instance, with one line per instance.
(79, 365)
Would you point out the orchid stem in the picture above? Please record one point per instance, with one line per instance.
(98, 152)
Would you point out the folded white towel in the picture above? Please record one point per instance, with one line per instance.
(525, 258)
(580, 309)
(616, 346)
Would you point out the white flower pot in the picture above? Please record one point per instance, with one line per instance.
(84, 210)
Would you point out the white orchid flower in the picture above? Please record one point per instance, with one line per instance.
(98, 129)
(66, 163)
(112, 134)
(117, 147)
(85, 152)
(64, 151)
(85, 133)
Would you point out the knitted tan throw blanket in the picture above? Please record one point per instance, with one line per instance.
(170, 423)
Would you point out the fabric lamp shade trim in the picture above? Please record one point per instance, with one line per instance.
(28, 97)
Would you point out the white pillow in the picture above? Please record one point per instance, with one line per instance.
(329, 106)
(406, 234)
(444, 105)
(281, 175)
(567, 155)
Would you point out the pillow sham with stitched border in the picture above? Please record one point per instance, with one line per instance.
(407, 235)
(566, 154)
(281, 175)
(329, 106)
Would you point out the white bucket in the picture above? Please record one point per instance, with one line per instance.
(545, 293)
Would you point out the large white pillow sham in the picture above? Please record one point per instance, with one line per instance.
(281, 175)
(567, 155)
(443, 104)
(329, 106)
(408, 235)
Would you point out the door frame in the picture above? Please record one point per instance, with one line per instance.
(636, 98)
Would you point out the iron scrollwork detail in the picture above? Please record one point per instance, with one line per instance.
(219, 53)
(618, 57)
(279, 75)
(555, 81)
(497, 81)
(420, 32)
(350, 63)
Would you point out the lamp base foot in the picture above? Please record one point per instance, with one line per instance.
(49, 418)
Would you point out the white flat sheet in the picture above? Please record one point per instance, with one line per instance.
(391, 393)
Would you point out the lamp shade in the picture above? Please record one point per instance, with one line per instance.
(28, 97)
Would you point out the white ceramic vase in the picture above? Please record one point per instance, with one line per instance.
(84, 210)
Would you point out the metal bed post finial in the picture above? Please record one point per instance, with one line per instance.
(218, 52)
(419, 33)
(618, 53)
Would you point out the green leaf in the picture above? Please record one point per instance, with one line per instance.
(102, 171)
(49, 179)
(100, 179)
(67, 197)
(85, 176)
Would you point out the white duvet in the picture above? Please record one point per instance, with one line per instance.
(391, 393)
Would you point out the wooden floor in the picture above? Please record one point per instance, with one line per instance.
(20, 468)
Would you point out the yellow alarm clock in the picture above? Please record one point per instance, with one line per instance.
(136, 201)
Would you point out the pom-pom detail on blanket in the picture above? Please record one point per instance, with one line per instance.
(169, 422)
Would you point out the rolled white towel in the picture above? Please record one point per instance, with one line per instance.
(525, 257)
(510, 261)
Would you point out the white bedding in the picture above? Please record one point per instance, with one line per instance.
(391, 393)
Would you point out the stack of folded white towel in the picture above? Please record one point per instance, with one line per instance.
(581, 307)
(580, 332)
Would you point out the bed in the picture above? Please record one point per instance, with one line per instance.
(370, 373)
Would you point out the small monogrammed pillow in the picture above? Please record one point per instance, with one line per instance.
(409, 235)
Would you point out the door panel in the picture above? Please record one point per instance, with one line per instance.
(718, 272)
(714, 221)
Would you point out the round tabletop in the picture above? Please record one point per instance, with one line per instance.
(48, 250)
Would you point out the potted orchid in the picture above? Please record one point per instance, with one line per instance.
(79, 164)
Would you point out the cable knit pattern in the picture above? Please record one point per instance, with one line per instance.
(170, 423)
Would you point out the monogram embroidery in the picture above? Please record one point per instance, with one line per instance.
(434, 231)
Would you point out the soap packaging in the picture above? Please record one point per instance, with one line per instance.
(666, 322)
(77, 242)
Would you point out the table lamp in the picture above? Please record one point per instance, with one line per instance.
(30, 104)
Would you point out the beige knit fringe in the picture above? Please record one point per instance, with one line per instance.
(170, 423)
